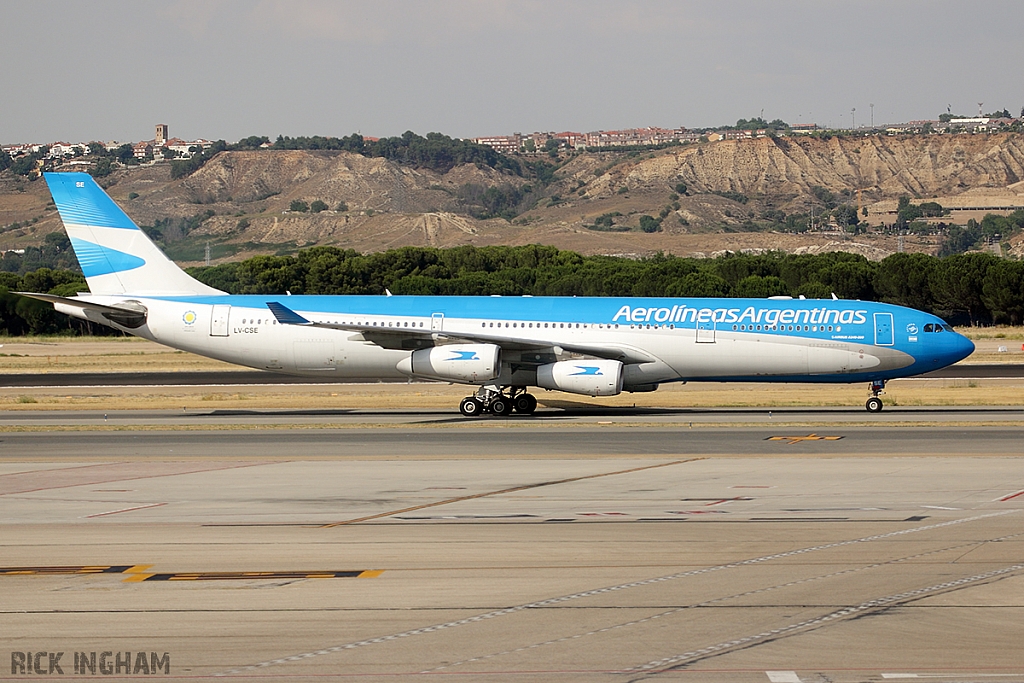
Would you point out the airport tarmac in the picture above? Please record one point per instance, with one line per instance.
(558, 550)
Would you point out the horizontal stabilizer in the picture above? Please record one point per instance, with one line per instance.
(130, 314)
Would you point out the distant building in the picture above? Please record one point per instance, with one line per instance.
(161, 135)
(143, 149)
(803, 128)
(505, 144)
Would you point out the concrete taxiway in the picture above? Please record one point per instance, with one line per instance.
(564, 550)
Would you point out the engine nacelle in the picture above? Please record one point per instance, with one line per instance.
(590, 377)
(455, 362)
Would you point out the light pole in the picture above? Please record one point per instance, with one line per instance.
(872, 105)
(853, 119)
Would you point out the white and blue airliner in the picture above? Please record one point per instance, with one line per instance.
(503, 346)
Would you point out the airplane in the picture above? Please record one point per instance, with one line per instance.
(503, 346)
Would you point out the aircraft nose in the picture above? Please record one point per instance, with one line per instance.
(962, 348)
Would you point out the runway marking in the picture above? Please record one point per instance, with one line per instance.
(240, 576)
(514, 489)
(74, 569)
(597, 591)
(783, 677)
(800, 439)
(668, 663)
(1009, 497)
(756, 591)
(115, 512)
(103, 473)
(137, 573)
(950, 675)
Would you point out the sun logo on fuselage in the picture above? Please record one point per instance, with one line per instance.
(189, 317)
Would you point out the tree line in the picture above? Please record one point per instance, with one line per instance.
(974, 288)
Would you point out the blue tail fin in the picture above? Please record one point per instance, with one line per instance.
(115, 255)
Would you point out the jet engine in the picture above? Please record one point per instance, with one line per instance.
(456, 362)
(590, 377)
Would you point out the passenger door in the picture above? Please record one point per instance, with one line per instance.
(883, 329)
(219, 320)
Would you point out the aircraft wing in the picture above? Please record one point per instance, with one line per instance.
(410, 338)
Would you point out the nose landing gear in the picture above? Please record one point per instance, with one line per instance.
(874, 404)
(492, 400)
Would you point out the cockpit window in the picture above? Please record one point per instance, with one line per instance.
(929, 327)
(949, 328)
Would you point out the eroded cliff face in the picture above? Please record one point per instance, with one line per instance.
(881, 167)
(376, 204)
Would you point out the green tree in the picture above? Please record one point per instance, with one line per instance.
(1002, 292)
(317, 206)
(649, 224)
(957, 283)
(905, 280)
(758, 287)
(701, 283)
(846, 215)
(298, 206)
(102, 167)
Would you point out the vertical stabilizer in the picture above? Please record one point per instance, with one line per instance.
(115, 255)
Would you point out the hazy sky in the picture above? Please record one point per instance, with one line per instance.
(111, 69)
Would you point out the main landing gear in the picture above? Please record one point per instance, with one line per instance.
(492, 400)
(874, 404)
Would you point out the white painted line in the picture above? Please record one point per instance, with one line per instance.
(938, 507)
(487, 616)
(114, 512)
(1005, 498)
(843, 613)
(950, 675)
(783, 677)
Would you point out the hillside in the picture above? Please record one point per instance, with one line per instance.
(239, 201)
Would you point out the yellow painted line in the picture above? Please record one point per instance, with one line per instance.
(800, 439)
(371, 574)
(136, 578)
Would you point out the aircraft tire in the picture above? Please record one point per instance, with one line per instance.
(471, 407)
(501, 406)
(874, 405)
(525, 404)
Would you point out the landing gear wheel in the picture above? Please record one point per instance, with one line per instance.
(525, 404)
(874, 405)
(501, 406)
(471, 407)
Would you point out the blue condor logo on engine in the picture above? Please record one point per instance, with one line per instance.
(464, 355)
(750, 314)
